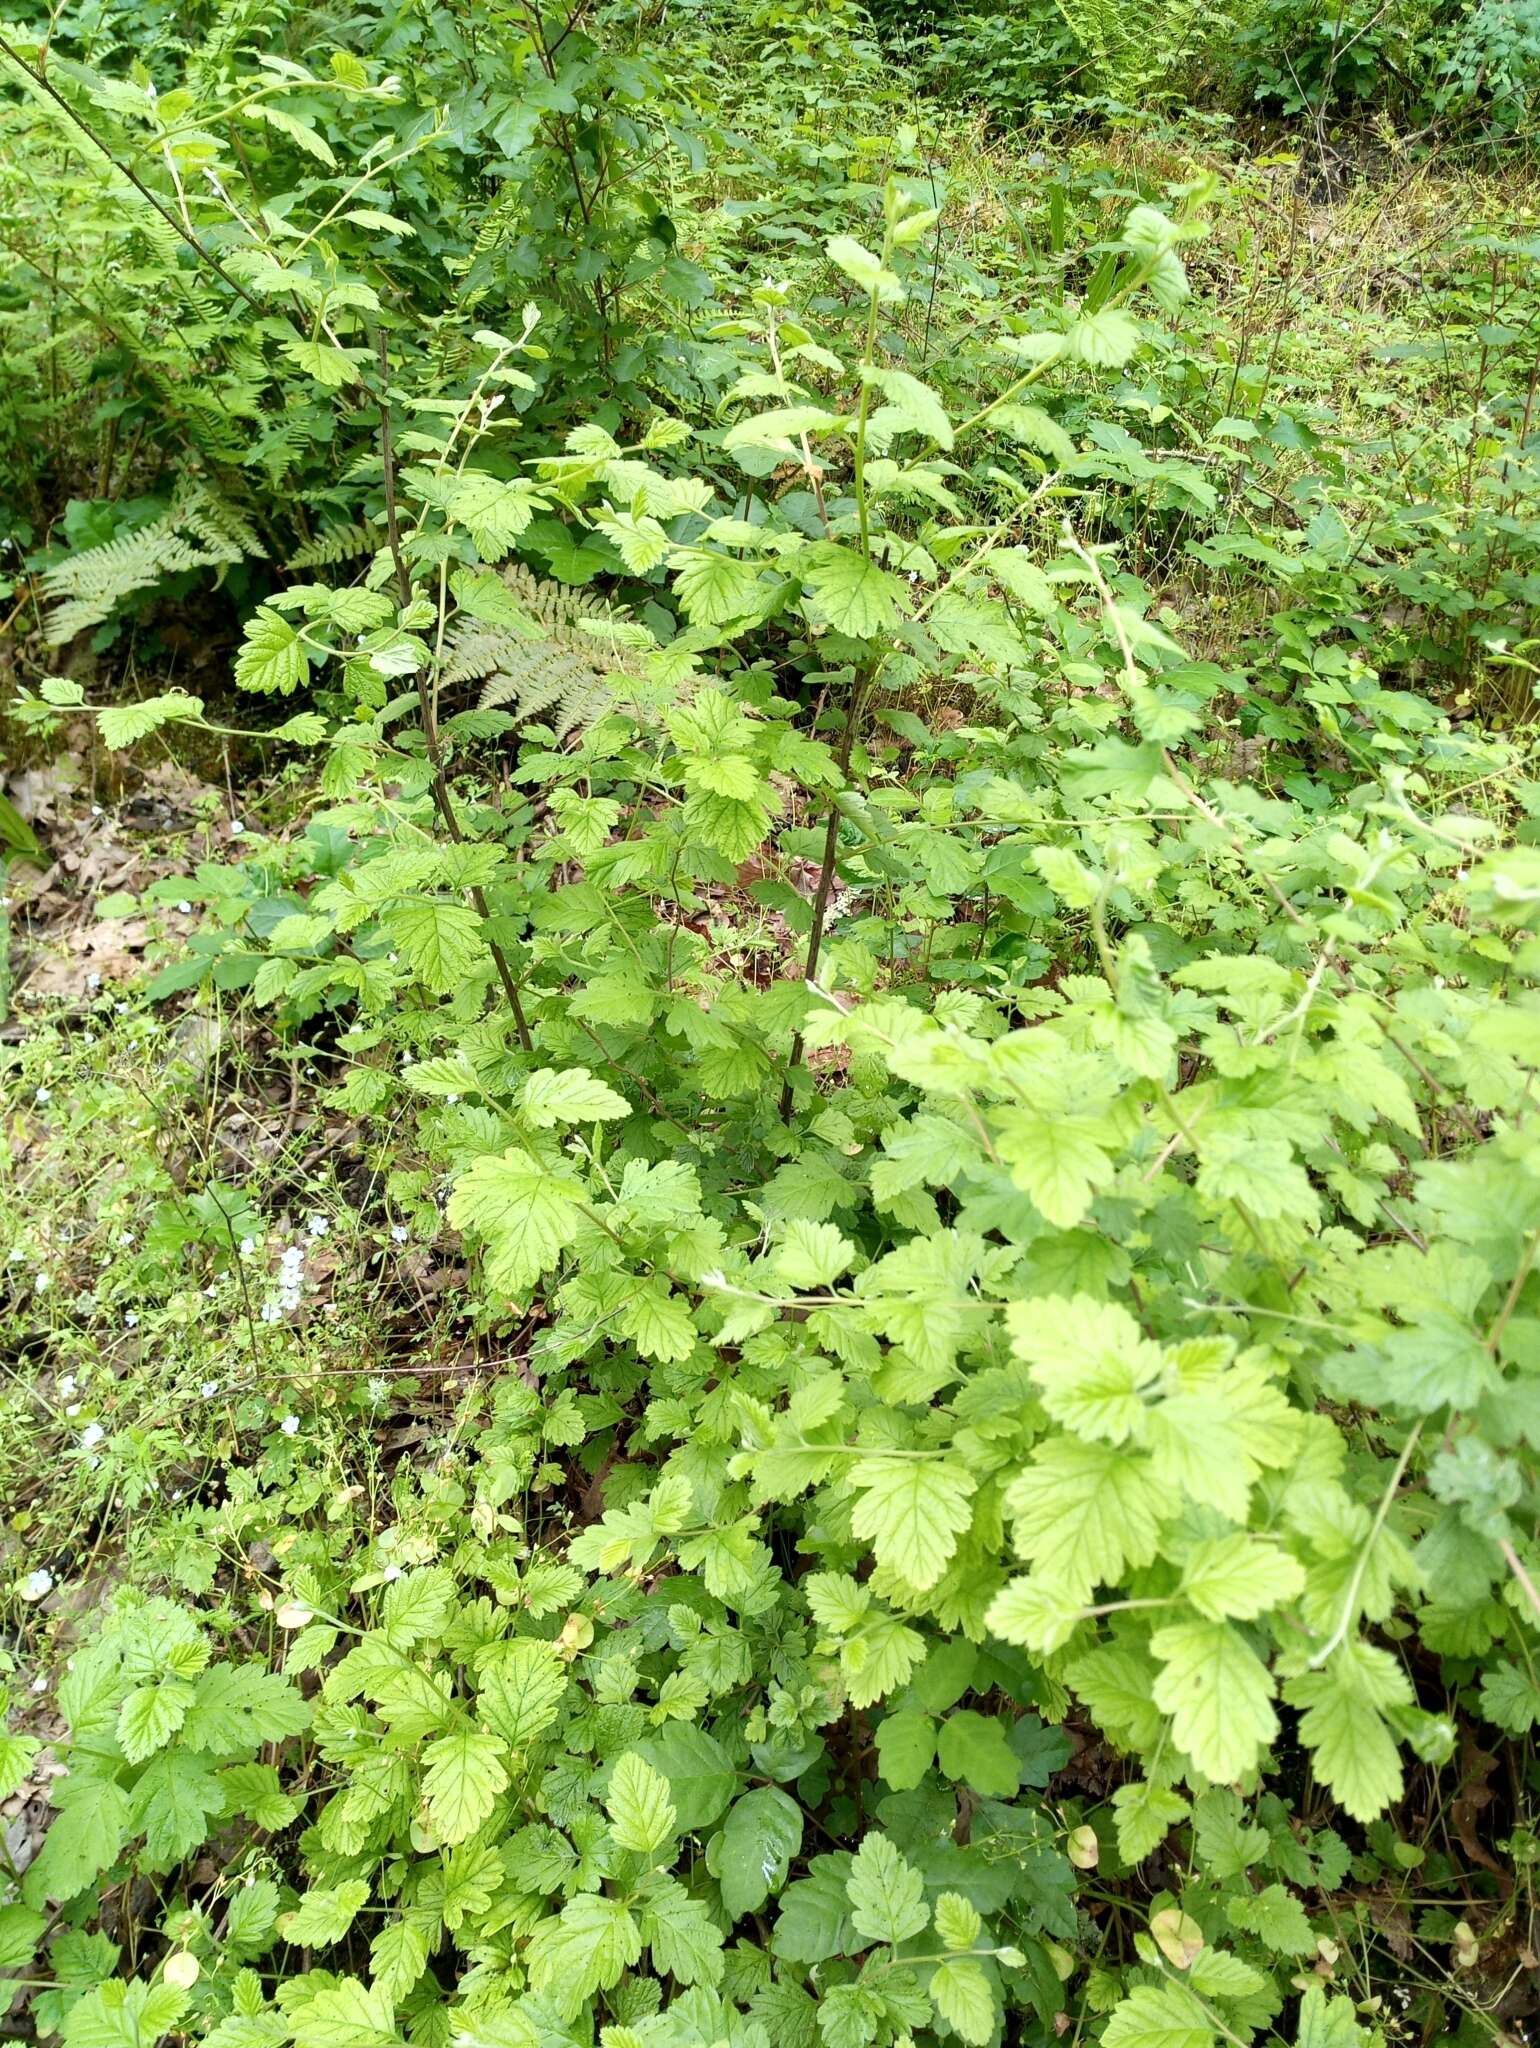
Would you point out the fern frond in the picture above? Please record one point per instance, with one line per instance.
(337, 544)
(198, 530)
(547, 666)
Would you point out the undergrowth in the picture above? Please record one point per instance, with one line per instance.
(793, 1295)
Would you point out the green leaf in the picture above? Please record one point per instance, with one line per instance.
(716, 589)
(1145, 1815)
(20, 1931)
(1277, 1917)
(1104, 340)
(588, 1949)
(1158, 2016)
(238, 1706)
(887, 1894)
(440, 941)
(463, 1775)
(526, 1212)
(398, 1955)
(272, 655)
(964, 2000)
(912, 1510)
(324, 1914)
(572, 1096)
(1327, 2022)
(686, 1943)
(812, 1255)
(1084, 1514)
(814, 1922)
(699, 1771)
(1344, 1725)
(642, 1816)
(755, 1849)
(906, 1748)
(972, 1750)
(781, 427)
(1237, 1578)
(1060, 1161)
(122, 724)
(123, 2015)
(84, 1837)
(854, 595)
(417, 1606)
(659, 1322)
(521, 1686)
(150, 1716)
(914, 404)
(1090, 1361)
(1510, 1698)
(1218, 1693)
(864, 269)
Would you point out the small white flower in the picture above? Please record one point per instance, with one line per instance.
(319, 1226)
(36, 1585)
(211, 1294)
(45, 1095)
(391, 1573)
(42, 1283)
(67, 1384)
(209, 1389)
(451, 1098)
(290, 1425)
(400, 1232)
(131, 1321)
(93, 983)
(40, 1685)
(91, 1436)
(96, 810)
(125, 1237)
(73, 1409)
(185, 907)
(378, 1391)
(237, 827)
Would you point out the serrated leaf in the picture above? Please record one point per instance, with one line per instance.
(463, 1774)
(324, 1914)
(854, 595)
(573, 1096)
(527, 1213)
(521, 1686)
(964, 2000)
(886, 1892)
(912, 1511)
(1158, 2016)
(1145, 1814)
(1218, 1693)
(642, 1816)
(441, 941)
(587, 1949)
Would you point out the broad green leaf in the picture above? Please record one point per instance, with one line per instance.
(1091, 1362)
(587, 1949)
(1084, 1513)
(1158, 2016)
(324, 1914)
(520, 1689)
(762, 1834)
(812, 1255)
(887, 1894)
(699, 1771)
(1218, 1693)
(1145, 1814)
(441, 941)
(906, 1748)
(462, 1776)
(573, 1096)
(963, 1998)
(972, 1750)
(854, 595)
(526, 1211)
(642, 1816)
(1343, 1725)
(912, 1510)
(150, 1716)
(1237, 1578)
